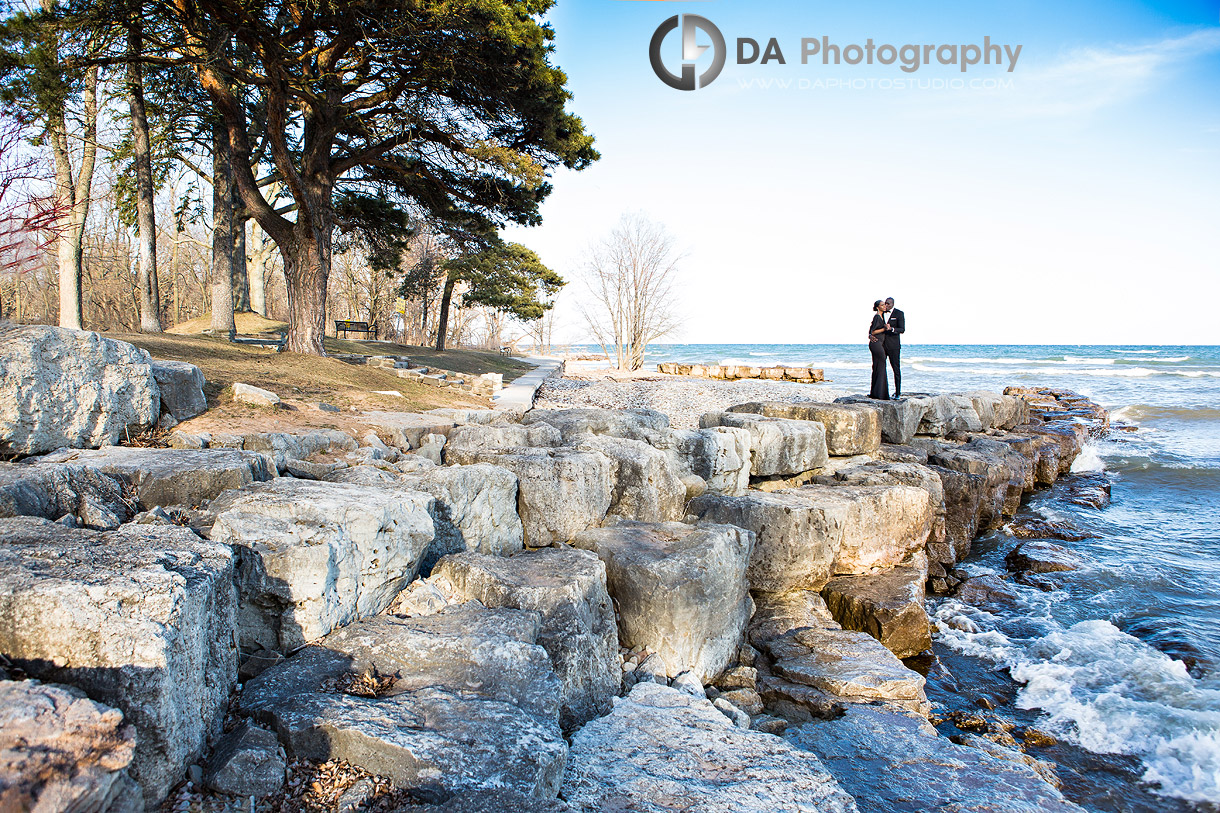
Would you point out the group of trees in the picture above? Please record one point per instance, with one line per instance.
(404, 132)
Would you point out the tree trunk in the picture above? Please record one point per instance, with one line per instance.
(72, 198)
(258, 273)
(150, 291)
(222, 233)
(241, 279)
(442, 324)
(306, 269)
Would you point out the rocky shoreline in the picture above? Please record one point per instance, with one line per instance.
(571, 609)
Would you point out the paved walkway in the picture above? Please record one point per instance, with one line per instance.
(520, 393)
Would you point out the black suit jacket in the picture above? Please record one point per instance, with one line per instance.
(898, 321)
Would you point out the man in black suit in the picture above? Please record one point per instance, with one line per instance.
(896, 325)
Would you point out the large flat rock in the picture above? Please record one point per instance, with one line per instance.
(313, 556)
(634, 424)
(894, 764)
(70, 388)
(778, 447)
(851, 429)
(165, 477)
(881, 525)
(475, 509)
(406, 430)
(796, 542)
(899, 419)
(568, 588)
(560, 492)
(141, 618)
(851, 667)
(468, 701)
(888, 606)
(59, 750)
(662, 750)
(647, 486)
(466, 443)
(681, 590)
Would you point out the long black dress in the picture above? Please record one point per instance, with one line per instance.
(881, 385)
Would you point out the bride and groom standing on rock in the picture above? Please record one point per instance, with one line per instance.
(885, 342)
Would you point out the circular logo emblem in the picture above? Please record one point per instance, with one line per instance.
(691, 51)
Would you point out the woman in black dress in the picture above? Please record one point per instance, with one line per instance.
(881, 384)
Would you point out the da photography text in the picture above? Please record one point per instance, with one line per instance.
(698, 35)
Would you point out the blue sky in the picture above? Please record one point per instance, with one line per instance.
(1074, 199)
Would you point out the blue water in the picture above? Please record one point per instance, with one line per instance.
(1122, 658)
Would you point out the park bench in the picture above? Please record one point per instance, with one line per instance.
(347, 325)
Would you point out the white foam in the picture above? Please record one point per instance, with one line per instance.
(1088, 460)
(1106, 691)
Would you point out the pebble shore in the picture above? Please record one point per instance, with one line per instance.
(682, 399)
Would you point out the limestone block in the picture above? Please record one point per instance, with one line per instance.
(851, 429)
(680, 590)
(70, 388)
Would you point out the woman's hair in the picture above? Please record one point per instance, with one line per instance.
(877, 305)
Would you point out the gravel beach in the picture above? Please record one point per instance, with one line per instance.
(682, 399)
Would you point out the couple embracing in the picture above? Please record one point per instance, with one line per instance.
(885, 341)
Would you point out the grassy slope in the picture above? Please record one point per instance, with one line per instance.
(307, 378)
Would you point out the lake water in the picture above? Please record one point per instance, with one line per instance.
(1121, 660)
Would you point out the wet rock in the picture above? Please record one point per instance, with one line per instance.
(69, 388)
(634, 424)
(899, 419)
(888, 606)
(246, 762)
(851, 667)
(255, 396)
(1070, 438)
(561, 492)
(315, 556)
(1087, 490)
(475, 509)
(719, 456)
(456, 701)
(777, 446)
(996, 477)
(647, 487)
(1038, 528)
(891, 762)
(59, 750)
(167, 660)
(169, 477)
(663, 750)
(680, 590)
(468, 444)
(851, 429)
(181, 388)
(987, 592)
(965, 494)
(1012, 754)
(1037, 556)
(568, 588)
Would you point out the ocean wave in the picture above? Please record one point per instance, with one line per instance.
(1089, 459)
(981, 360)
(1134, 351)
(1105, 691)
(1136, 413)
(1101, 372)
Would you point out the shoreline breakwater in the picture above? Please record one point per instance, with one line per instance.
(484, 607)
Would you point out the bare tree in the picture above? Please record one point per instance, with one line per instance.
(631, 275)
